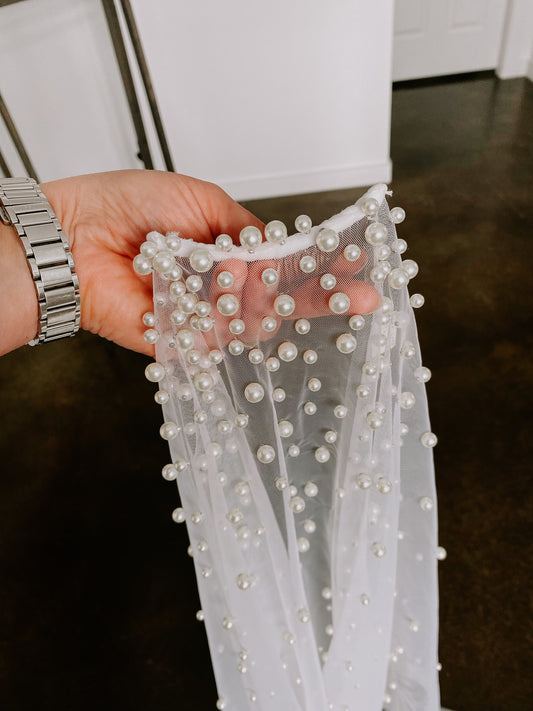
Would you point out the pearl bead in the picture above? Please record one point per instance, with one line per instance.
(225, 280)
(416, 301)
(303, 546)
(369, 206)
(177, 289)
(293, 490)
(322, 454)
(193, 356)
(236, 347)
(254, 392)
(148, 249)
(203, 381)
(411, 267)
(200, 616)
(201, 260)
(407, 400)
(397, 215)
(399, 246)
(303, 224)
(169, 430)
(378, 274)
(142, 265)
(383, 485)
(194, 282)
(285, 428)
(235, 516)
(327, 240)
(310, 408)
(287, 351)
(302, 326)
(169, 472)
(227, 304)
(330, 436)
(250, 237)
(356, 322)
(314, 384)
(173, 241)
(383, 252)
(149, 319)
(339, 303)
(269, 324)
(425, 503)
(374, 419)
(398, 278)
(221, 703)
(311, 489)
(278, 394)
(307, 264)
(255, 356)
(203, 308)
(376, 234)
(224, 242)
(370, 369)
(404, 429)
(441, 553)
(352, 252)
(304, 615)
(215, 356)
(284, 305)
(346, 343)
(270, 276)
(241, 420)
(185, 338)
(155, 372)
(175, 273)
(275, 232)
(378, 549)
(281, 483)
(310, 357)
(163, 262)
(309, 526)
(272, 364)
(363, 391)
(363, 481)
(236, 326)
(187, 303)
(293, 450)
(266, 454)
(178, 515)
(161, 397)
(428, 439)
(340, 412)
(224, 426)
(328, 281)
(408, 350)
(422, 374)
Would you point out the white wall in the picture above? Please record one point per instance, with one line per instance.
(265, 98)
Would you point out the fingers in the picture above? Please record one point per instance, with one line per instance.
(258, 299)
(220, 335)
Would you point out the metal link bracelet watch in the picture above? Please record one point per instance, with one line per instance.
(23, 205)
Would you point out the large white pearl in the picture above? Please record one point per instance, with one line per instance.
(250, 237)
(327, 240)
(322, 454)
(236, 326)
(161, 397)
(142, 265)
(149, 319)
(185, 338)
(314, 384)
(224, 242)
(422, 374)
(376, 234)
(201, 260)
(254, 392)
(227, 304)
(287, 351)
(352, 252)
(407, 400)
(339, 303)
(256, 356)
(378, 274)
(215, 356)
(428, 439)
(194, 283)
(169, 430)
(303, 224)
(374, 419)
(203, 381)
(346, 343)
(340, 412)
(310, 408)
(297, 504)
(155, 372)
(270, 276)
(225, 279)
(285, 428)
(272, 364)
(278, 394)
(369, 206)
(307, 264)
(310, 489)
(411, 267)
(236, 347)
(169, 472)
(187, 303)
(149, 249)
(202, 308)
(163, 262)
(173, 241)
(178, 515)
(269, 324)
(383, 252)
(310, 357)
(302, 326)
(266, 454)
(177, 289)
(328, 281)
(356, 322)
(275, 232)
(284, 305)
(399, 246)
(416, 301)
(397, 215)
(398, 278)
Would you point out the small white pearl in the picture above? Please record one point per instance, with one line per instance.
(227, 304)
(303, 224)
(284, 305)
(328, 281)
(215, 356)
(428, 439)
(398, 278)
(303, 545)
(363, 481)
(329, 630)
(235, 516)
(254, 392)
(411, 267)
(148, 249)
(314, 384)
(142, 265)
(330, 436)
(404, 429)
(383, 252)
(327, 240)
(407, 400)
(425, 503)
(356, 322)
(194, 283)
(441, 553)
(163, 262)
(236, 326)
(383, 485)
(310, 357)
(307, 264)
(169, 472)
(241, 420)
(287, 351)
(297, 504)
(272, 364)
(304, 615)
(278, 394)
(302, 326)
(270, 276)
(309, 526)
(177, 289)
(224, 426)
(269, 324)
(256, 356)
(378, 549)
(376, 234)
(201, 260)
(352, 252)
(244, 582)
(397, 215)
(161, 397)
(203, 381)
(275, 232)
(311, 489)
(369, 206)
(175, 273)
(250, 237)
(224, 242)
(225, 280)
(149, 319)
(178, 515)
(375, 420)
(363, 391)
(173, 241)
(339, 303)
(408, 350)
(416, 301)
(285, 428)
(340, 411)
(281, 483)
(399, 246)
(235, 347)
(322, 454)
(185, 338)
(310, 408)
(378, 274)
(370, 369)
(221, 703)
(169, 430)
(293, 450)
(187, 303)
(155, 372)
(293, 490)
(422, 374)
(202, 308)
(346, 343)
(266, 454)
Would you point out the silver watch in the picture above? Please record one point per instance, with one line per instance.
(23, 205)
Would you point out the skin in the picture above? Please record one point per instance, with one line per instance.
(106, 217)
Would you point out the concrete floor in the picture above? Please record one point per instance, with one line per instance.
(97, 598)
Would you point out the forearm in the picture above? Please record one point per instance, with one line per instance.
(18, 298)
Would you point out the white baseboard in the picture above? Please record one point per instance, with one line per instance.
(529, 72)
(331, 178)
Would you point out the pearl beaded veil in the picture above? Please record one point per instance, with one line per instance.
(301, 446)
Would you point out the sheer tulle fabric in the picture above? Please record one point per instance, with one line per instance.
(303, 460)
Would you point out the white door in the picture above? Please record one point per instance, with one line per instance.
(435, 37)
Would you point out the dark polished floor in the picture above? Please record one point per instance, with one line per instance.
(97, 595)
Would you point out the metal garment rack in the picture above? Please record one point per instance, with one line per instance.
(113, 23)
